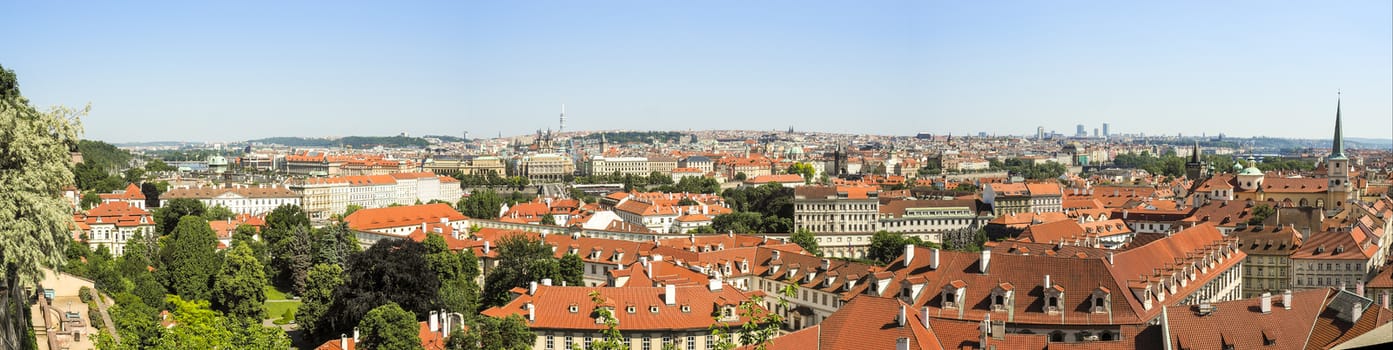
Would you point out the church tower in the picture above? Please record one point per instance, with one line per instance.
(1194, 169)
(1337, 164)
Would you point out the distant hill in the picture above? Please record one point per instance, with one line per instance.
(349, 141)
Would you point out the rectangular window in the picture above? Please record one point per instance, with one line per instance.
(551, 343)
(569, 343)
(691, 342)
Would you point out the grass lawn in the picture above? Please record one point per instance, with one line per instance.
(274, 310)
(274, 294)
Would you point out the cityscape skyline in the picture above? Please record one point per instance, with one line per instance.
(176, 72)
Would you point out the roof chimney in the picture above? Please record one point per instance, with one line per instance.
(924, 316)
(908, 254)
(1047, 282)
(531, 312)
(444, 324)
(1359, 288)
(904, 315)
(670, 294)
(1355, 311)
(355, 335)
(1266, 303)
(1286, 299)
(343, 341)
(546, 281)
(933, 258)
(1385, 299)
(986, 260)
(715, 284)
(532, 288)
(486, 247)
(434, 321)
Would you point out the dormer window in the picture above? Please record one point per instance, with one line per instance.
(745, 267)
(952, 294)
(1003, 296)
(1101, 300)
(595, 254)
(1054, 296)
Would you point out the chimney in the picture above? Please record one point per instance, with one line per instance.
(434, 321)
(444, 324)
(355, 335)
(903, 318)
(715, 284)
(902, 343)
(343, 341)
(486, 247)
(1286, 299)
(1385, 299)
(908, 254)
(670, 294)
(1359, 288)
(532, 288)
(1109, 257)
(1047, 282)
(934, 258)
(531, 312)
(546, 281)
(924, 316)
(1355, 311)
(986, 260)
(1266, 303)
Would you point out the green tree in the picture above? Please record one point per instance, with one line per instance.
(282, 220)
(190, 258)
(334, 243)
(703, 229)
(199, 327)
(35, 219)
(740, 176)
(804, 238)
(156, 165)
(548, 220)
(389, 327)
(135, 266)
(352, 208)
(885, 246)
(509, 333)
(318, 296)
(168, 216)
(804, 169)
(90, 199)
(572, 270)
(218, 212)
(481, 204)
(761, 325)
(521, 259)
(239, 290)
(388, 272)
(291, 258)
(1260, 214)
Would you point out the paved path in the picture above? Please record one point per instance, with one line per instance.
(106, 317)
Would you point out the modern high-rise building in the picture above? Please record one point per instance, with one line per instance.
(1040, 133)
(1105, 130)
(1080, 131)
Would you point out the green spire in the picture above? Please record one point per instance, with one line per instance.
(1337, 150)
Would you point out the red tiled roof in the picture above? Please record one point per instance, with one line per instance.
(552, 307)
(407, 215)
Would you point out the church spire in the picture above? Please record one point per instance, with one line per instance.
(1195, 155)
(1337, 149)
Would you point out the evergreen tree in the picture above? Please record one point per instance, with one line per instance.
(190, 259)
(572, 270)
(804, 238)
(168, 216)
(522, 259)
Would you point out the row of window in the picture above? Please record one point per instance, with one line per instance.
(645, 343)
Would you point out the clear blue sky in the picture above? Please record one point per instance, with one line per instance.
(234, 70)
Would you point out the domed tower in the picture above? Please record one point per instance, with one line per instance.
(1337, 164)
(1250, 179)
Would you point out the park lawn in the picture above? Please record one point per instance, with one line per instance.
(274, 294)
(275, 309)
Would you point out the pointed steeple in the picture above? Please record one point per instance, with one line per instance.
(1195, 155)
(1337, 149)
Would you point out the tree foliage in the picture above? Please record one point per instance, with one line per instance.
(509, 333)
(190, 259)
(318, 296)
(804, 238)
(572, 270)
(886, 246)
(390, 271)
(35, 164)
(218, 212)
(484, 204)
(168, 216)
(199, 327)
(239, 288)
(389, 327)
(521, 259)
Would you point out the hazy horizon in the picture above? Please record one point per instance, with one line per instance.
(237, 71)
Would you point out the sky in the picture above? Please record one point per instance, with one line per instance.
(236, 70)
